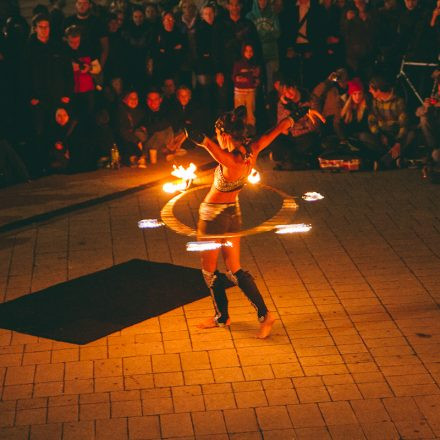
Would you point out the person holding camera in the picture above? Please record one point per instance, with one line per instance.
(298, 148)
(429, 116)
(85, 65)
(219, 213)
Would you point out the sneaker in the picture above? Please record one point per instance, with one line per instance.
(142, 162)
(169, 157)
(180, 152)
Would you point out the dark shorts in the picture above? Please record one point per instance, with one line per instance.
(219, 218)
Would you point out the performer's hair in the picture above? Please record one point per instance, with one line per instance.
(233, 123)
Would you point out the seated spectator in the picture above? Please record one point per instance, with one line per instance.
(12, 168)
(159, 130)
(131, 129)
(85, 65)
(246, 78)
(300, 147)
(71, 148)
(103, 137)
(329, 97)
(388, 123)
(186, 114)
(429, 115)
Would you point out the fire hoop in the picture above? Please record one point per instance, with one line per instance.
(283, 216)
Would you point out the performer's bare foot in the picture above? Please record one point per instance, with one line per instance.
(266, 326)
(212, 323)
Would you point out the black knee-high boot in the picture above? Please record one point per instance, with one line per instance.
(246, 283)
(216, 286)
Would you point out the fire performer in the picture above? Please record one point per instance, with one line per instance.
(219, 213)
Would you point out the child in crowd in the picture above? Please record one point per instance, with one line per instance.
(246, 78)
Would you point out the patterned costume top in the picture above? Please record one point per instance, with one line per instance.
(223, 185)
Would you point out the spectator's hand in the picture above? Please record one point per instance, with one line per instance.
(85, 68)
(219, 79)
(59, 146)
(383, 140)
(75, 66)
(332, 40)
(286, 124)
(195, 136)
(290, 53)
(395, 150)
(314, 115)
(350, 15)
(35, 102)
(139, 145)
(177, 47)
(65, 100)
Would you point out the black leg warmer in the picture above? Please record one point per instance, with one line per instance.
(216, 286)
(246, 282)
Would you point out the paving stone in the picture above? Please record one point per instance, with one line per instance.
(176, 425)
(208, 423)
(275, 417)
(52, 431)
(142, 428)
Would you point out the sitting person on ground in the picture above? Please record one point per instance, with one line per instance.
(71, 149)
(131, 129)
(160, 133)
(187, 114)
(12, 168)
(388, 123)
(299, 148)
(429, 115)
(329, 97)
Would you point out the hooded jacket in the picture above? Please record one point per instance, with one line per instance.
(268, 28)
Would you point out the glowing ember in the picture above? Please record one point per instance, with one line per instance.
(312, 196)
(150, 223)
(184, 173)
(200, 246)
(291, 229)
(254, 176)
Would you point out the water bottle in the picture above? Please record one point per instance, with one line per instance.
(115, 157)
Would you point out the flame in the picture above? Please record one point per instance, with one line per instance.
(290, 229)
(174, 187)
(312, 196)
(150, 223)
(186, 174)
(254, 176)
(200, 246)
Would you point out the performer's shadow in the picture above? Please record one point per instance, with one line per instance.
(93, 306)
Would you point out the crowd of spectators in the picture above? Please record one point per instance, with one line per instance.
(135, 74)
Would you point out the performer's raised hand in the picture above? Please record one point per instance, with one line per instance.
(314, 115)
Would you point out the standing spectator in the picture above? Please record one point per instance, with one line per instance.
(333, 43)
(138, 40)
(388, 123)
(116, 66)
(222, 95)
(47, 82)
(246, 78)
(358, 31)
(268, 28)
(237, 30)
(207, 52)
(302, 40)
(57, 18)
(93, 30)
(187, 24)
(170, 50)
(85, 64)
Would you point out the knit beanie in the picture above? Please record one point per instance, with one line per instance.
(355, 85)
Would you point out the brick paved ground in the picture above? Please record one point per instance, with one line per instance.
(355, 352)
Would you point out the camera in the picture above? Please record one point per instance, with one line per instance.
(296, 112)
(335, 77)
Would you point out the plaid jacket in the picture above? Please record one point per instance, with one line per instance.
(389, 117)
